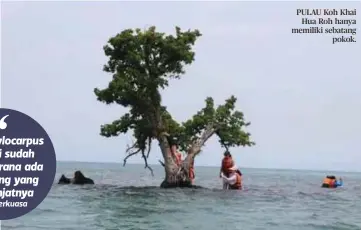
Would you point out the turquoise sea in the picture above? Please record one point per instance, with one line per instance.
(130, 198)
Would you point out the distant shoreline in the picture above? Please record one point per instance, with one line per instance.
(214, 166)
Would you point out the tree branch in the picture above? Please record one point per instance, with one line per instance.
(207, 133)
(129, 155)
(161, 162)
(130, 147)
(149, 146)
(144, 156)
(146, 163)
(164, 145)
(197, 145)
(222, 142)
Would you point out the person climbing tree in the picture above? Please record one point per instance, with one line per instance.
(174, 150)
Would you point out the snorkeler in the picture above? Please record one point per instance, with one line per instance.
(332, 182)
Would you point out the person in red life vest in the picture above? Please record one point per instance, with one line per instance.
(331, 182)
(227, 163)
(233, 180)
(177, 155)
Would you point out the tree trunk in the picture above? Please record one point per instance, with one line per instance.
(178, 176)
(175, 176)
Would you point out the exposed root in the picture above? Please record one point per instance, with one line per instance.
(179, 184)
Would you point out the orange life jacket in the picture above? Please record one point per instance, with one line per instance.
(238, 184)
(329, 182)
(227, 163)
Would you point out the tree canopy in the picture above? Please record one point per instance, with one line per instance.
(142, 62)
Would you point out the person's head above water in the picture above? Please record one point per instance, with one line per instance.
(227, 161)
(227, 154)
(332, 177)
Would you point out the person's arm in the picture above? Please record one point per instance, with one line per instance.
(339, 183)
(230, 180)
(239, 172)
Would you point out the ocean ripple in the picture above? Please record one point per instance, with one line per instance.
(270, 200)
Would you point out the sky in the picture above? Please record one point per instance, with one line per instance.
(301, 93)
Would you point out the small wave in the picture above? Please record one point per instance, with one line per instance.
(268, 201)
(331, 226)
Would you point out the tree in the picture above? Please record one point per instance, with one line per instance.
(142, 62)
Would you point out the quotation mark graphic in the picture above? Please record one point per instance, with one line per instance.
(3, 124)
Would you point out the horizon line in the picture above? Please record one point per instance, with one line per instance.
(247, 167)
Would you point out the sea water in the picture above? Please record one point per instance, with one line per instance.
(129, 198)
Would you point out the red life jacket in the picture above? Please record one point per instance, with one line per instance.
(327, 182)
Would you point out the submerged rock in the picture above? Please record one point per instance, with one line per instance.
(79, 178)
(64, 180)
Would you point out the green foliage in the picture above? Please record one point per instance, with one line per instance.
(142, 63)
(228, 123)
